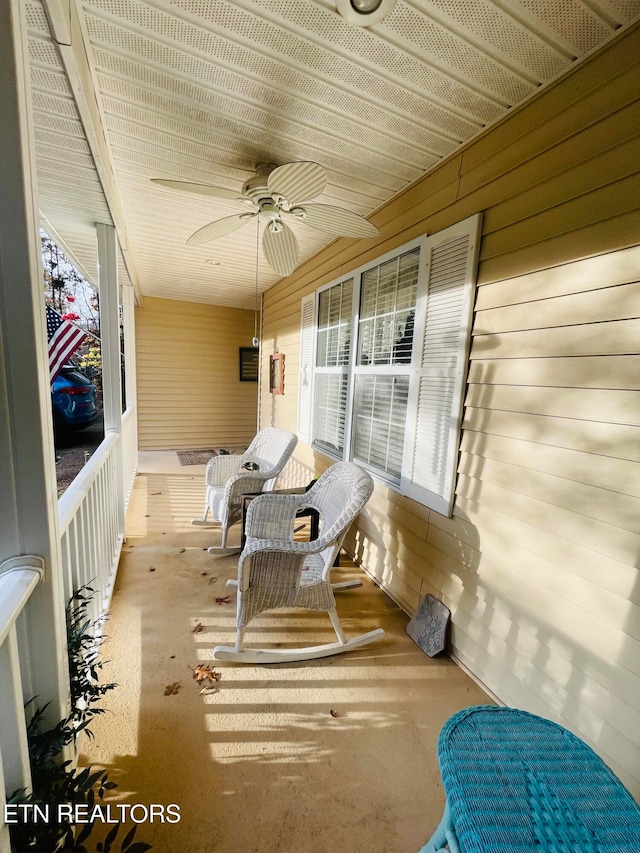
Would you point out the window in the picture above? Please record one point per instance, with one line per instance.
(383, 362)
(383, 367)
(335, 312)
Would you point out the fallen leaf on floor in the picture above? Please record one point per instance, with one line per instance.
(152, 568)
(172, 688)
(197, 628)
(204, 574)
(213, 579)
(334, 713)
(223, 600)
(182, 550)
(204, 672)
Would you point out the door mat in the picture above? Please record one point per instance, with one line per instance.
(196, 457)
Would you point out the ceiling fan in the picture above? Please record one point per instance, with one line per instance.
(277, 194)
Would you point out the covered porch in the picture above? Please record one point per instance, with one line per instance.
(520, 130)
(329, 754)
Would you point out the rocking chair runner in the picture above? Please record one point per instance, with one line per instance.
(227, 479)
(274, 571)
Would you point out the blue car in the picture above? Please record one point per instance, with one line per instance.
(75, 404)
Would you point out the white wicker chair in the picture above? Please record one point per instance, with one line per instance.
(275, 571)
(227, 480)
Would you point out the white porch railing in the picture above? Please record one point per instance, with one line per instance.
(90, 534)
(18, 579)
(91, 515)
(91, 519)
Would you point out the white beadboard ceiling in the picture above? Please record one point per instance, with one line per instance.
(203, 90)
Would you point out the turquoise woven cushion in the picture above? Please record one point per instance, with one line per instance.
(517, 783)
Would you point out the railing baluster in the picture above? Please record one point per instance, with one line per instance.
(15, 763)
(84, 570)
(18, 578)
(5, 841)
(101, 513)
(92, 550)
(65, 550)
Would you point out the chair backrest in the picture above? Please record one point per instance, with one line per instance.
(271, 449)
(339, 494)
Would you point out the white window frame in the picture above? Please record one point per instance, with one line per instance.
(306, 362)
(341, 369)
(411, 482)
(380, 370)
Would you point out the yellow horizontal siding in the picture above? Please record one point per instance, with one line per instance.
(563, 311)
(619, 337)
(189, 392)
(539, 562)
(578, 277)
(592, 404)
(618, 440)
(618, 371)
(572, 465)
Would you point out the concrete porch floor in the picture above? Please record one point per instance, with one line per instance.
(330, 755)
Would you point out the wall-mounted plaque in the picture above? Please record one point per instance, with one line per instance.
(249, 363)
(276, 373)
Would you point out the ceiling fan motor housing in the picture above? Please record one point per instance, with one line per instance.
(256, 187)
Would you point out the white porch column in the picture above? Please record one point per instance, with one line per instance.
(28, 509)
(130, 439)
(128, 307)
(110, 346)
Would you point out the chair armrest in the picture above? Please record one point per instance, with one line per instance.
(271, 516)
(288, 546)
(221, 468)
(243, 483)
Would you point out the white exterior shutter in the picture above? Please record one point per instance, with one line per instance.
(439, 368)
(305, 377)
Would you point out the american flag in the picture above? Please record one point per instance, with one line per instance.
(64, 339)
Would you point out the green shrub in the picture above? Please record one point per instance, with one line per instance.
(54, 781)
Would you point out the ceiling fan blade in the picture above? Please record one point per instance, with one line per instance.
(201, 189)
(219, 228)
(280, 248)
(297, 182)
(336, 220)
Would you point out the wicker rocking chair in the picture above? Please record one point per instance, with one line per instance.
(230, 477)
(275, 571)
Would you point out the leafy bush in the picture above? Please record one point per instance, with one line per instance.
(54, 781)
(84, 639)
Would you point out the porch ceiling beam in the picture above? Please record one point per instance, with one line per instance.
(66, 23)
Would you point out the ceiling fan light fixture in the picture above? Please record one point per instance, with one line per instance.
(366, 6)
(364, 13)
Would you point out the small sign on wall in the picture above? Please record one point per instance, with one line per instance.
(276, 373)
(249, 363)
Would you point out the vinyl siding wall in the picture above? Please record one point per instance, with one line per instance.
(539, 563)
(189, 393)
